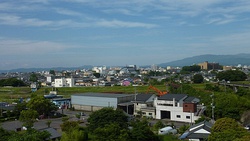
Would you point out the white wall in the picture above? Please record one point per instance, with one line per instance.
(176, 112)
(64, 82)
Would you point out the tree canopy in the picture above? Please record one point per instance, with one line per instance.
(198, 78)
(11, 82)
(226, 129)
(28, 117)
(231, 75)
(41, 105)
(189, 69)
(106, 116)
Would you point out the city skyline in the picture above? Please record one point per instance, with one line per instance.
(71, 33)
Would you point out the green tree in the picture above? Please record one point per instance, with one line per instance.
(41, 105)
(231, 75)
(230, 105)
(189, 69)
(68, 126)
(141, 131)
(19, 107)
(12, 82)
(226, 129)
(183, 129)
(106, 116)
(158, 125)
(28, 117)
(52, 72)
(4, 135)
(33, 77)
(73, 135)
(198, 78)
(29, 135)
(111, 132)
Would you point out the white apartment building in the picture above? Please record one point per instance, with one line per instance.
(64, 82)
(177, 107)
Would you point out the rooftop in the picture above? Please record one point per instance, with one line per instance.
(177, 97)
(108, 95)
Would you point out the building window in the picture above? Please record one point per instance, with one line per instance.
(187, 117)
(150, 114)
(178, 116)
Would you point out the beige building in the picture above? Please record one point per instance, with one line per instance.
(209, 66)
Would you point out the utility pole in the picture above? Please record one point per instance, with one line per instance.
(212, 105)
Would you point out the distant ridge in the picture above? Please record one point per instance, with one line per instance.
(46, 69)
(233, 60)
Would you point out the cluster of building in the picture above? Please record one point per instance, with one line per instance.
(174, 107)
(104, 76)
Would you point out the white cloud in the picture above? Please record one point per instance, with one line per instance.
(117, 23)
(11, 47)
(67, 12)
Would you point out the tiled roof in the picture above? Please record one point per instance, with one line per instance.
(143, 97)
(177, 97)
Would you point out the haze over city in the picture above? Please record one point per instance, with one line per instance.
(68, 33)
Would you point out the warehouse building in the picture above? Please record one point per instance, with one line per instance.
(96, 101)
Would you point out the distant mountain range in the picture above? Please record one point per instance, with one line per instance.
(46, 69)
(231, 60)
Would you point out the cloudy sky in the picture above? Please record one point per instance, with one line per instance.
(68, 33)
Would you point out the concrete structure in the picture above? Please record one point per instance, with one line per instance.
(178, 107)
(64, 82)
(144, 104)
(209, 66)
(96, 101)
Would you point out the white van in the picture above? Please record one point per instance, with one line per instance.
(167, 130)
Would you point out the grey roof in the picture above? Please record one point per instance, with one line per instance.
(191, 99)
(54, 134)
(190, 134)
(177, 97)
(108, 95)
(12, 125)
(143, 97)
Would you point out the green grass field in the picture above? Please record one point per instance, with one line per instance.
(10, 94)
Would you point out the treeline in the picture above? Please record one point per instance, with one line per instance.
(14, 82)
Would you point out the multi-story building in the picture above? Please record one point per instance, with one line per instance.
(209, 66)
(178, 107)
(64, 82)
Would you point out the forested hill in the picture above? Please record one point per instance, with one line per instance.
(243, 59)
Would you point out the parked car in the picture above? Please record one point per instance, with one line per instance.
(167, 130)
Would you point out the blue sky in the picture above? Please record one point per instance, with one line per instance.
(68, 33)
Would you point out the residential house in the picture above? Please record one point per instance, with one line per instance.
(198, 132)
(178, 107)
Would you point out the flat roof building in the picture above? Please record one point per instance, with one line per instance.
(96, 101)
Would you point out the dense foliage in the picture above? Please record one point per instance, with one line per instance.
(28, 135)
(41, 105)
(14, 82)
(198, 78)
(106, 116)
(28, 117)
(227, 129)
(33, 77)
(231, 75)
(189, 69)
